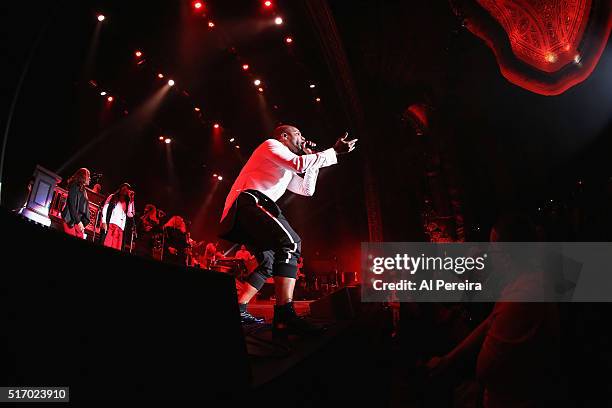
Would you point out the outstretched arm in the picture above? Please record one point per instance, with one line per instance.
(282, 156)
(304, 185)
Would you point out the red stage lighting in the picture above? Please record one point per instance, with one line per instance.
(288, 40)
(110, 99)
(138, 53)
(216, 126)
(245, 67)
(278, 21)
(257, 82)
(219, 178)
(260, 89)
(211, 24)
(268, 3)
(101, 17)
(215, 175)
(198, 5)
(160, 76)
(161, 138)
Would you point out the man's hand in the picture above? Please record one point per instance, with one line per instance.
(307, 150)
(103, 226)
(344, 146)
(80, 227)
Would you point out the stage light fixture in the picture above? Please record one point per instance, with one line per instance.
(110, 99)
(312, 86)
(278, 21)
(138, 53)
(288, 40)
(216, 126)
(103, 93)
(237, 147)
(232, 140)
(318, 99)
(161, 138)
(268, 3)
(219, 178)
(211, 24)
(171, 82)
(160, 76)
(196, 109)
(168, 140)
(215, 175)
(260, 89)
(198, 5)
(101, 17)
(245, 67)
(257, 82)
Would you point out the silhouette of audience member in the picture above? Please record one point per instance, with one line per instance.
(517, 346)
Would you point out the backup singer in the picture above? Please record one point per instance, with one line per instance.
(117, 208)
(76, 211)
(175, 241)
(252, 216)
(147, 227)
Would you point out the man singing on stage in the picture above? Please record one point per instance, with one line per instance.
(252, 216)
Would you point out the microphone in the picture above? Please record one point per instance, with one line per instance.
(310, 145)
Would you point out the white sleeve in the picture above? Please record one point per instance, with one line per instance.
(130, 210)
(304, 186)
(105, 209)
(281, 155)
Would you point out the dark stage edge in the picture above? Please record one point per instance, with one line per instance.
(119, 328)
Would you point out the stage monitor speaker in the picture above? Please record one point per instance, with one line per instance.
(343, 304)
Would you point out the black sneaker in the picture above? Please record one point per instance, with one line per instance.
(247, 318)
(287, 322)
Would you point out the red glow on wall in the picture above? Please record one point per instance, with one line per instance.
(417, 114)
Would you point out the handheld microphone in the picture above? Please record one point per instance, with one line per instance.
(310, 145)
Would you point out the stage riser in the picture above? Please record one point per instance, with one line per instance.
(82, 315)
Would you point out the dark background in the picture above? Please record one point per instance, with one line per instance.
(510, 148)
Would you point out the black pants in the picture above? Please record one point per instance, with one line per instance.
(259, 223)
